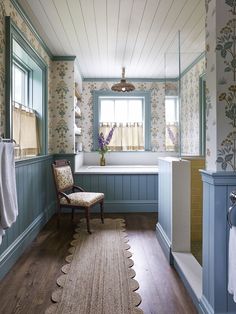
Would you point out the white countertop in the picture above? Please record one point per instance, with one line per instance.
(118, 169)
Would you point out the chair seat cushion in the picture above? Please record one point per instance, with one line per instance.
(83, 199)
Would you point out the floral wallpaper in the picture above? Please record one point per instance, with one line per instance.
(60, 86)
(221, 85)
(158, 127)
(61, 108)
(190, 109)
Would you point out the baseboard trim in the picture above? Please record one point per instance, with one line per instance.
(190, 273)
(15, 250)
(164, 242)
(125, 207)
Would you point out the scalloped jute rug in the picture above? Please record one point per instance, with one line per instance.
(98, 276)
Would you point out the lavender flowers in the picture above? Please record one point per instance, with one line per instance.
(103, 143)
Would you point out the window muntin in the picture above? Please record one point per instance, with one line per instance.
(172, 125)
(127, 114)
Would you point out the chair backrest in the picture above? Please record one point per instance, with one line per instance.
(63, 176)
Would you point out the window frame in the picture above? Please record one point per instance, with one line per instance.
(13, 33)
(202, 114)
(28, 72)
(146, 95)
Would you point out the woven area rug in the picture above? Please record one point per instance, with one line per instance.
(98, 277)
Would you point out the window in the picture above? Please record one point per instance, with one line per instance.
(131, 115)
(126, 114)
(171, 113)
(25, 94)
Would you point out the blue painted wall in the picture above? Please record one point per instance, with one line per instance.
(216, 190)
(36, 201)
(123, 192)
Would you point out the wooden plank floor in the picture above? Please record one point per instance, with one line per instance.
(28, 286)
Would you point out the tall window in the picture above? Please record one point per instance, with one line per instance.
(171, 113)
(25, 94)
(127, 115)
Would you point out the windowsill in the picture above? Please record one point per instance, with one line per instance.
(31, 159)
(119, 159)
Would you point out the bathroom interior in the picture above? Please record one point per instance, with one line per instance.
(165, 169)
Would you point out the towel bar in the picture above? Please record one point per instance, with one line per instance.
(233, 201)
(8, 140)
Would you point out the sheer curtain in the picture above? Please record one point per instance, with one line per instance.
(25, 131)
(126, 136)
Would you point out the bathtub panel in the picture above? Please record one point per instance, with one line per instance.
(118, 192)
(124, 192)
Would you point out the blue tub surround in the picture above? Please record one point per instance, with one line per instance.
(36, 202)
(216, 190)
(126, 188)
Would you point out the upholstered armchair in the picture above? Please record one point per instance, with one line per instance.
(71, 195)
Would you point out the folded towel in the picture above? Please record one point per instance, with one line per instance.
(232, 263)
(8, 194)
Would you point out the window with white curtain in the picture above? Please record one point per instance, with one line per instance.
(127, 115)
(172, 126)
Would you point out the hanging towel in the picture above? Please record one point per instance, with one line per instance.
(2, 233)
(8, 194)
(232, 262)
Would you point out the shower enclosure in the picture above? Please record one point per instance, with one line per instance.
(185, 122)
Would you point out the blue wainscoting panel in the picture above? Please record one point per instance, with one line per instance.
(36, 202)
(123, 192)
(216, 190)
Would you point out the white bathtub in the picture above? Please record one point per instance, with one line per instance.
(123, 169)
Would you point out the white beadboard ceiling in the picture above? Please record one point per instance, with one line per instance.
(105, 35)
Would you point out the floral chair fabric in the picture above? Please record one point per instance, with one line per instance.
(64, 177)
(84, 199)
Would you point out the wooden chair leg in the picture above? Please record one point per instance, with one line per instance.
(101, 208)
(58, 216)
(87, 215)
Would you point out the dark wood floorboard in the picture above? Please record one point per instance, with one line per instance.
(28, 286)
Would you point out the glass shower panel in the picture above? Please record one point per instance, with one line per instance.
(192, 123)
(172, 99)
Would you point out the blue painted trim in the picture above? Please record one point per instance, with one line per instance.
(218, 178)
(15, 250)
(8, 78)
(33, 160)
(125, 206)
(63, 58)
(164, 242)
(199, 58)
(216, 190)
(147, 119)
(135, 80)
(202, 114)
(205, 307)
(28, 22)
